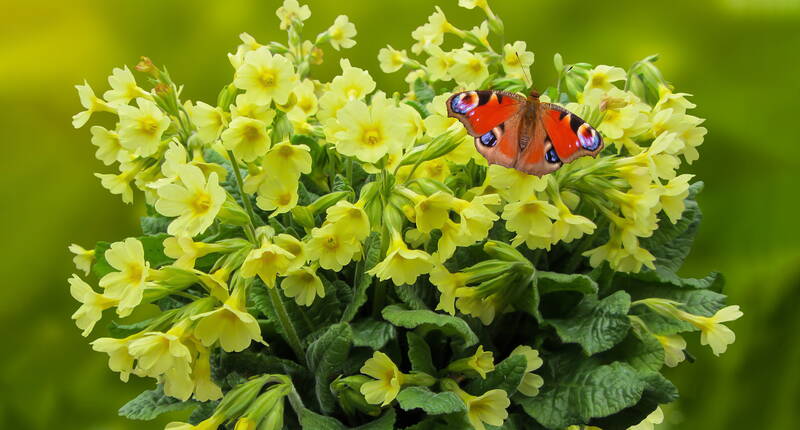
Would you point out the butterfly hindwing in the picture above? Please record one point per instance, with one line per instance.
(570, 135)
(493, 119)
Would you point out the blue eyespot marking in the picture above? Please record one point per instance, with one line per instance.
(551, 156)
(464, 103)
(488, 139)
(588, 138)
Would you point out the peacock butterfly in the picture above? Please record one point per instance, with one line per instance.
(531, 136)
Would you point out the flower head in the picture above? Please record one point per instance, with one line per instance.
(266, 76)
(127, 284)
(516, 60)
(304, 285)
(402, 265)
(388, 381)
(368, 132)
(266, 261)
(195, 202)
(469, 69)
(531, 382)
(488, 408)
(123, 87)
(674, 346)
(712, 332)
(83, 258)
(603, 77)
(332, 246)
(292, 12)
(247, 138)
(141, 128)
(119, 359)
(109, 148)
(391, 59)
(91, 103)
(230, 324)
(342, 32)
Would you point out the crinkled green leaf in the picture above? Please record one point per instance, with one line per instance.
(416, 296)
(372, 333)
(671, 243)
(154, 224)
(325, 357)
(578, 389)
(658, 391)
(644, 352)
(151, 403)
(506, 376)
(596, 325)
(430, 402)
(419, 353)
(312, 420)
(372, 255)
(202, 412)
(424, 93)
(550, 282)
(426, 320)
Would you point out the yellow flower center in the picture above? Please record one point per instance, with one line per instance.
(331, 243)
(201, 202)
(306, 104)
(598, 80)
(372, 137)
(337, 34)
(134, 272)
(251, 133)
(284, 199)
(475, 65)
(286, 151)
(267, 78)
(148, 125)
(306, 278)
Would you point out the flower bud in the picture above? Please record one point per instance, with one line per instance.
(227, 97)
(348, 392)
(303, 216)
(232, 213)
(146, 65)
(324, 202)
(237, 400)
(438, 147)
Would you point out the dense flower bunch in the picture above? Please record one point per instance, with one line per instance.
(349, 251)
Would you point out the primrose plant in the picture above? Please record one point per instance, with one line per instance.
(327, 255)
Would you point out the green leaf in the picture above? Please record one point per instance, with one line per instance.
(643, 352)
(202, 412)
(596, 325)
(419, 107)
(154, 224)
(671, 243)
(578, 389)
(325, 357)
(550, 282)
(151, 403)
(312, 420)
(430, 402)
(506, 376)
(658, 391)
(428, 320)
(372, 333)
(419, 354)
(362, 281)
(120, 331)
(153, 253)
(714, 281)
(424, 93)
(416, 296)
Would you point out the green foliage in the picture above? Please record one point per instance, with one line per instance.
(426, 321)
(596, 325)
(151, 403)
(430, 402)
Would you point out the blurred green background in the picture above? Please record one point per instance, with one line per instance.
(739, 58)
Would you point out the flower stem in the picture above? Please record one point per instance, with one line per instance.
(248, 205)
(286, 324)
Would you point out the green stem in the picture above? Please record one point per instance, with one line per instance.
(248, 205)
(286, 324)
(378, 299)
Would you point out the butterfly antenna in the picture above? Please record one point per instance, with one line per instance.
(528, 79)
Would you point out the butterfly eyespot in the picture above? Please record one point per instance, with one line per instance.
(551, 156)
(588, 138)
(464, 103)
(488, 139)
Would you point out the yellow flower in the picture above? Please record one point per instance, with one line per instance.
(439, 63)
(288, 161)
(531, 382)
(247, 138)
(291, 11)
(569, 226)
(482, 362)
(266, 261)
(388, 381)
(186, 251)
(673, 345)
(469, 69)
(489, 408)
(212, 423)
(649, 423)
(712, 332)
(512, 184)
(411, 122)
(470, 302)
(352, 84)
(178, 382)
(140, 129)
(119, 359)
(109, 150)
(670, 100)
(267, 77)
(229, 324)
(516, 60)
(126, 285)
(342, 32)
(332, 247)
(92, 304)
(472, 4)
(195, 203)
(295, 247)
(368, 132)
(530, 219)
(433, 211)
(204, 388)
(83, 258)
(306, 102)
(304, 285)
(157, 352)
(391, 59)
(603, 77)
(210, 121)
(248, 106)
(672, 196)
(476, 218)
(123, 87)
(121, 183)
(349, 219)
(447, 283)
(402, 265)
(91, 103)
(432, 33)
(277, 195)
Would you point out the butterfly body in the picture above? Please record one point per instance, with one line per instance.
(524, 133)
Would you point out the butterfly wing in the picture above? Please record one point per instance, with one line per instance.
(493, 118)
(558, 136)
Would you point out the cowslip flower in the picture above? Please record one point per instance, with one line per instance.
(488, 408)
(141, 128)
(649, 423)
(388, 381)
(531, 382)
(368, 132)
(295, 247)
(83, 258)
(392, 60)
(123, 87)
(516, 60)
(305, 102)
(342, 33)
(352, 84)
(92, 304)
(439, 63)
(186, 251)
(266, 261)
(266, 76)
(287, 161)
(109, 149)
(249, 106)
(291, 11)
(569, 226)
(401, 264)
(119, 359)
(303, 285)
(603, 77)
(247, 138)
(672, 196)
(512, 184)
(157, 352)
(332, 246)
(211, 423)
(674, 346)
(447, 283)
(128, 283)
(433, 211)
(195, 202)
(230, 325)
(712, 332)
(210, 120)
(482, 362)
(531, 220)
(349, 218)
(277, 195)
(205, 388)
(91, 103)
(469, 69)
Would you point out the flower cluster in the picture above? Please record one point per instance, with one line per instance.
(301, 234)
